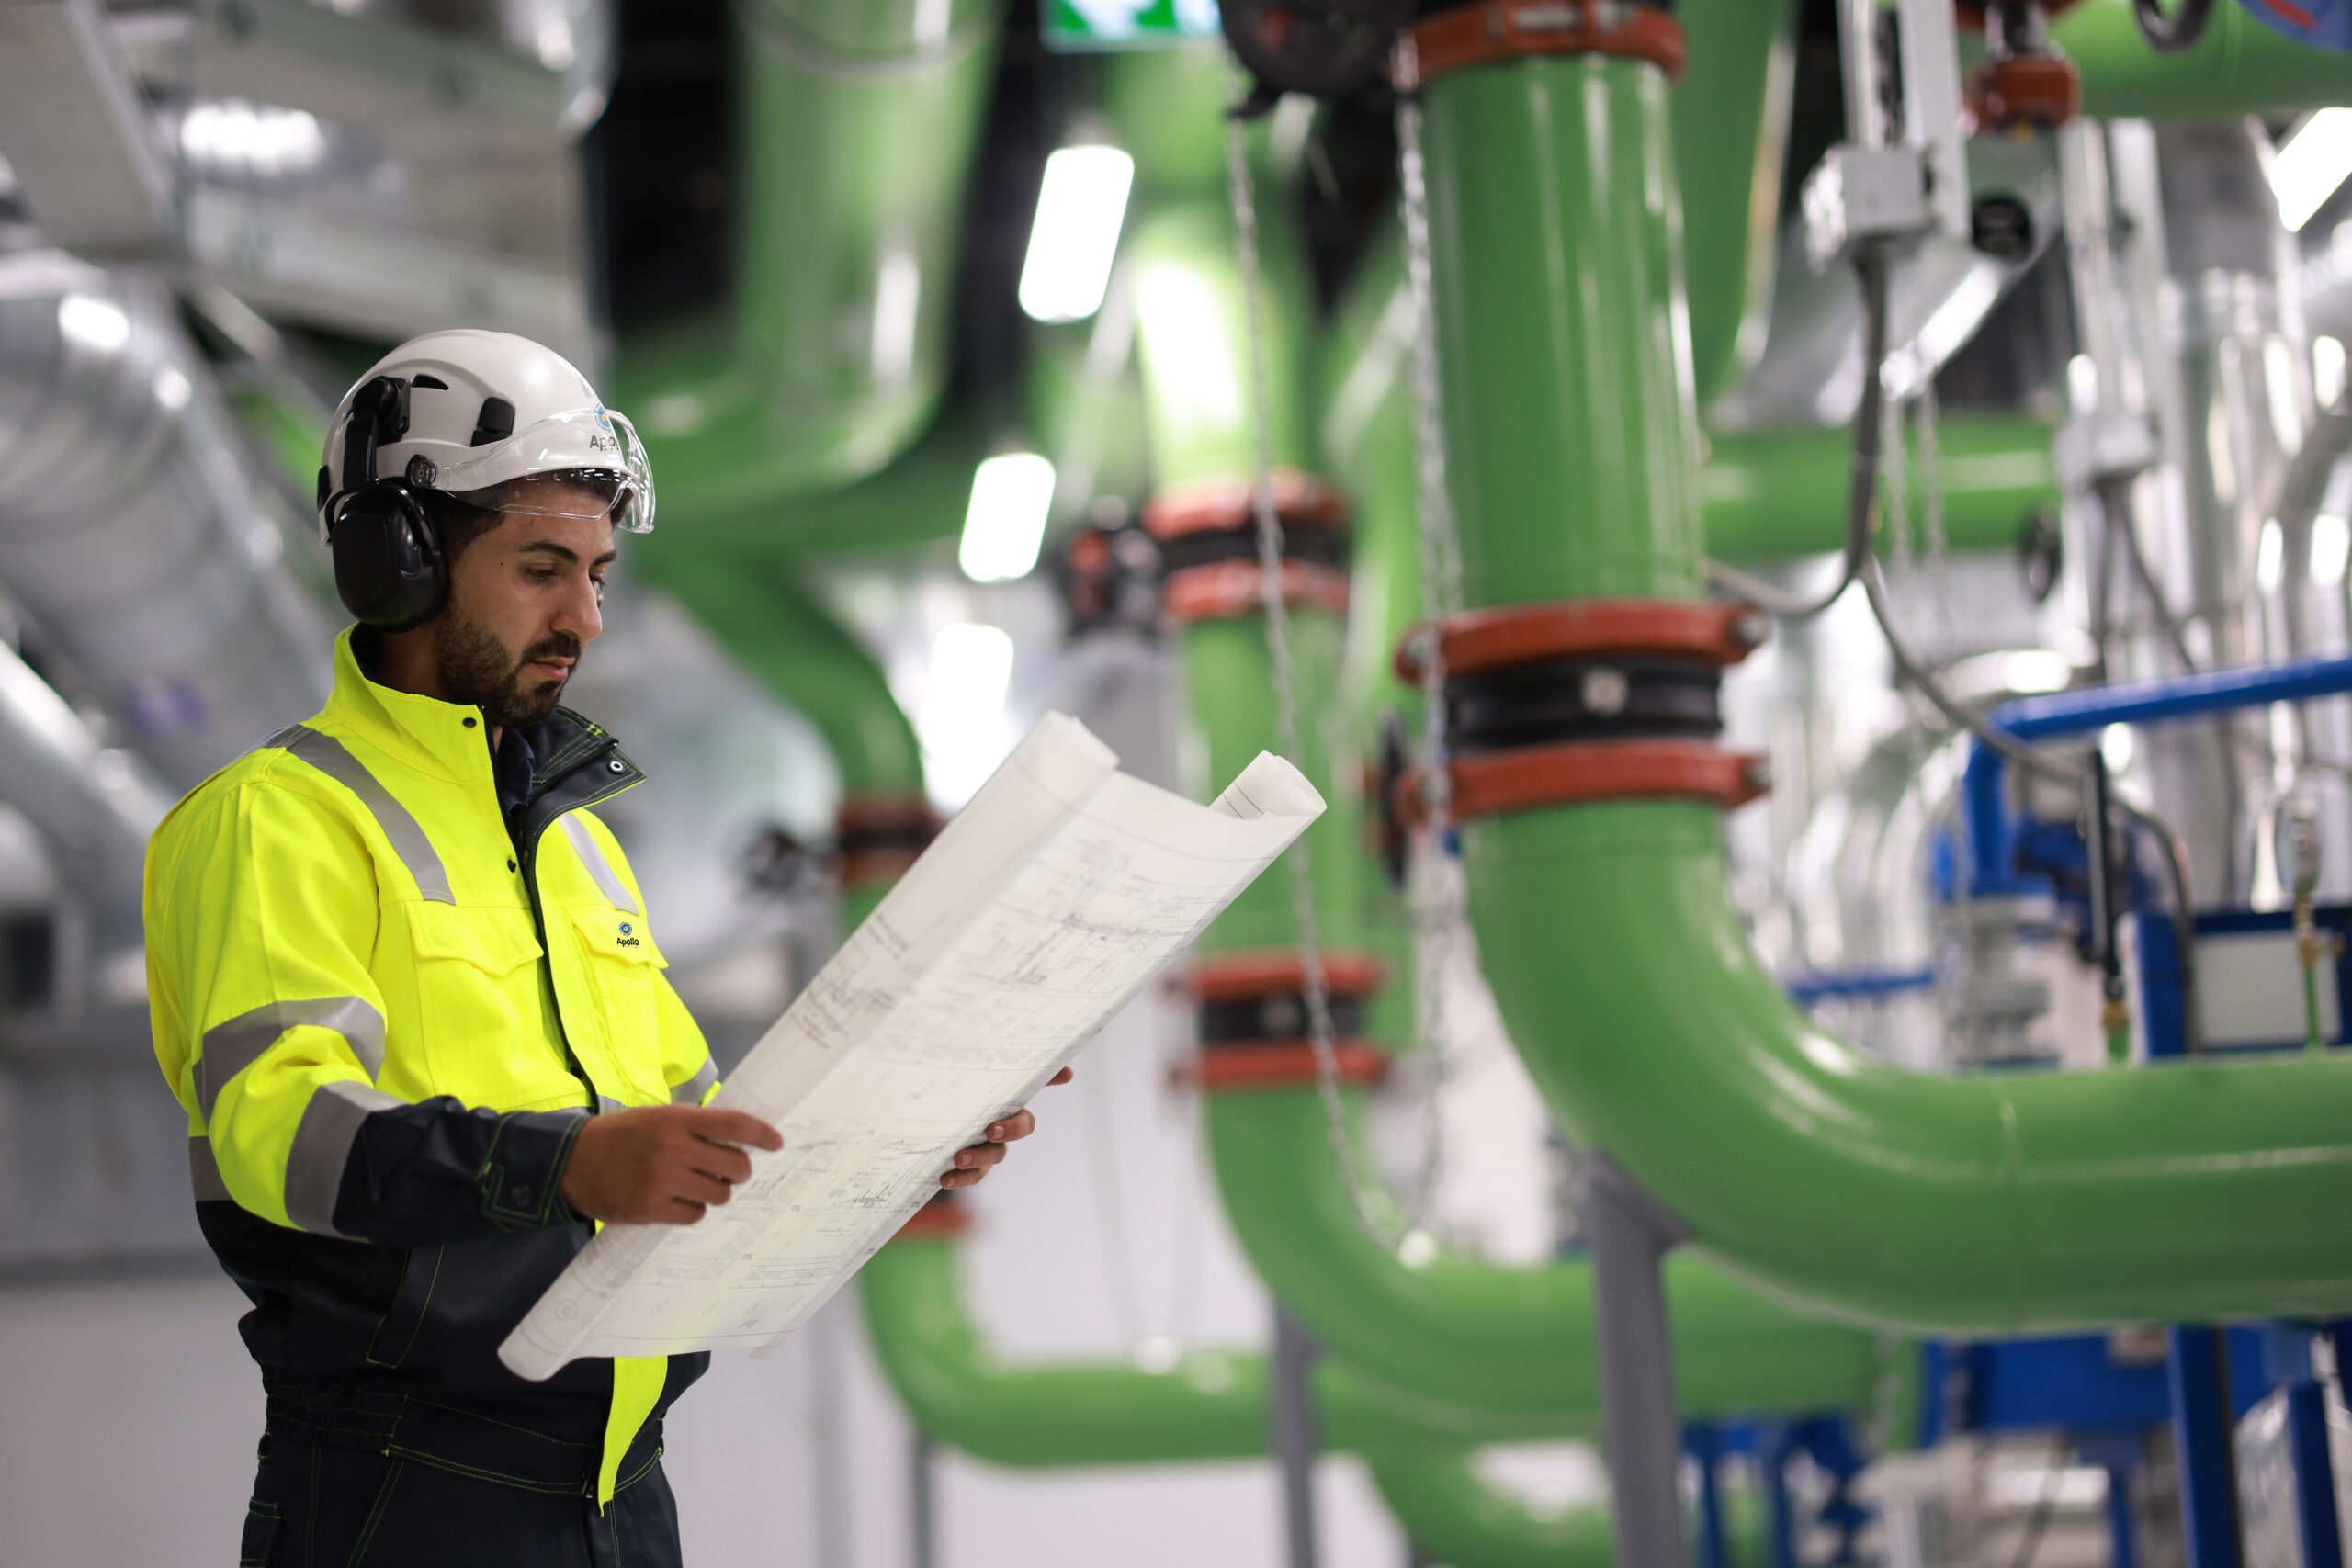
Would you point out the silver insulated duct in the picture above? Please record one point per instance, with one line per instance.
(131, 532)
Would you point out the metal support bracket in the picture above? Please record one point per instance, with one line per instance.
(1631, 1234)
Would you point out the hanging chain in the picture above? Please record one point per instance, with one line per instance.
(1243, 193)
(1437, 912)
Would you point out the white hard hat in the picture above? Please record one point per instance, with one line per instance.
(492, 418)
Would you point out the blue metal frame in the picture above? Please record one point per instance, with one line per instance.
(2160, 1004)
(2203, 1429)
(1992, 832)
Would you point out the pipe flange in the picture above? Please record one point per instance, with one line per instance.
(1580, 772)
(1720, 632)
(2044, 90)
(1282, 1063)
(1207, 533)
(1253, 1019)
(1497, 30)
(943, 1219)
(878, 835)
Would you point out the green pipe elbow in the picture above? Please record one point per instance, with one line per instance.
(1453, 1516)
(1985, 1204)
(755, 605)
(858, 136)
(1205, 1405)
(1508, 1340)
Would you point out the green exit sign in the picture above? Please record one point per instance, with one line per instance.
(1094, 25)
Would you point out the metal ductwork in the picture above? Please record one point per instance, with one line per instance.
(131, 533)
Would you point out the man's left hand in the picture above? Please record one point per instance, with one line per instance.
(980, 1158)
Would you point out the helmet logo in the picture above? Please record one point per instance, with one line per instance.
(421, 471)
(603, 439)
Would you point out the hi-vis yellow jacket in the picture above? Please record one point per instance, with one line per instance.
(389, 1009)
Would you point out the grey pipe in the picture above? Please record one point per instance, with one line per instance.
(129, 530)
(93, 806)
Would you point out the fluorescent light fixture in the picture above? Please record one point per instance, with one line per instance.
(2313, 161)
(261, 138)
(1005, 522)
(2328, 366)
(2270, 557)
(1076, 236)
(2331, 548)
(961, 723)
(95, 324)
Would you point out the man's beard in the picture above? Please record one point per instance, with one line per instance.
(473, 668)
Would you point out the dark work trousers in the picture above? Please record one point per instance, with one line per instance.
(320, 1507)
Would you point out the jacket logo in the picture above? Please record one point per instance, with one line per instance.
(624, 940)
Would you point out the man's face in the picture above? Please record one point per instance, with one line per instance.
(524, 606)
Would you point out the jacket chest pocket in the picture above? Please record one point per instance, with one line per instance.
(478, 999)
(623, 967)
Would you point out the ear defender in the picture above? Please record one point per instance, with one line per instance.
(389, 568)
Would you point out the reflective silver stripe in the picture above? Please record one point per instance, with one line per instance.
(204, 1171)
(230, 1048)
(329, 756)
(605, 1102)
(592, 855)
(323, 1148)
(691, 1091)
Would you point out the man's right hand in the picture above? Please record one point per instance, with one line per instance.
(660, 1165)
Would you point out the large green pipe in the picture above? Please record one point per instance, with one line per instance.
(1997, 1203)
(1501, 1339)
(1208, 1405)
(857, 123)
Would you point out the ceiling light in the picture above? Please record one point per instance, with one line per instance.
(1076, 236)
(2313, 161)
(1005, 523)
(95, 324)
(961, 723)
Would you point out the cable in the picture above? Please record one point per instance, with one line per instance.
(1861, 493)
(2170, 35)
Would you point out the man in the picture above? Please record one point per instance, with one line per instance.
(404, 984)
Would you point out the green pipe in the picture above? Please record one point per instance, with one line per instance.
(1985, 1204)
(2240, 67)
(1781, 493)
(1453, 1516)
(1501, 1339)
(1730, 136)
(1208, 1405)
(857, 124)
(1510, 1340)
(787, 641)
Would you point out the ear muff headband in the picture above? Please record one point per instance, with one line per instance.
(389, 570)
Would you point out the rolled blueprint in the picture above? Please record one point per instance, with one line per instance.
(1053, 895)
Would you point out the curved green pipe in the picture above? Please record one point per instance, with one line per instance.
(1500, 1339)
(1209, 1405)
(858, 122)
(1985, 1204)
(1453, 1516)
(787, 641)
(2240, 67)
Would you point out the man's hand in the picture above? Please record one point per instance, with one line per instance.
(660, 1165)
(975, 1162)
